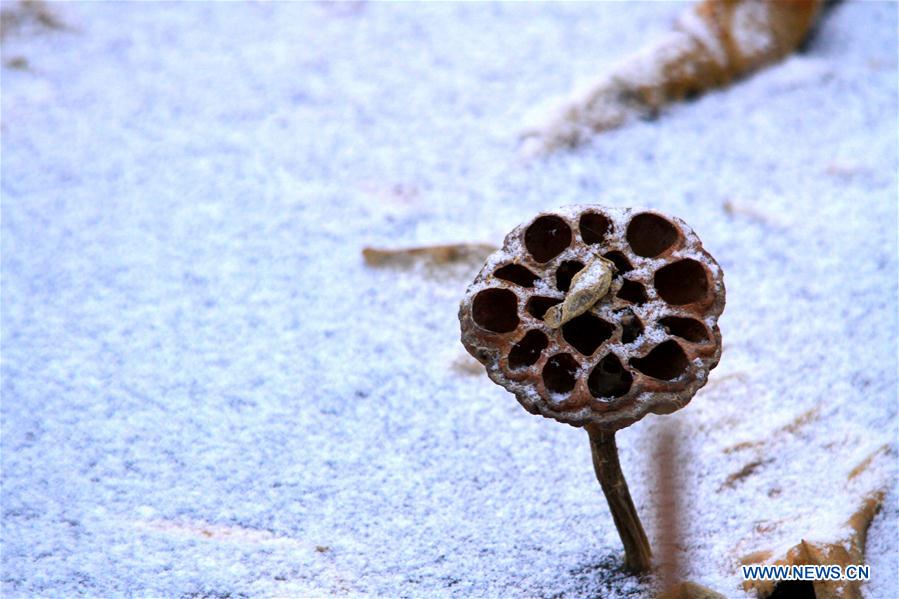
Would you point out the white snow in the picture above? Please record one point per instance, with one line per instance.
(206, 392)
(752, 30)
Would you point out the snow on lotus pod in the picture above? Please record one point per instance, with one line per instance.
(638, 335)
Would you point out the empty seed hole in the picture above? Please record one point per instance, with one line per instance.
(650, 234)
(594, 227)
(633, 292)
(538, 305)
(586, 333)
(682, 282)
(609, 378)
(631, 327)
(622, 264)
(558, 374)
(666, 361)
(516, 273)
(547, 237)
(495, 310)
(566, 272)
(527, 351)
(686, 328)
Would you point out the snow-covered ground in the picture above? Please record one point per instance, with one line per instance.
(205, 391)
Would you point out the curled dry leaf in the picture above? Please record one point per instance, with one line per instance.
(713, 43)
(847, 549)
(843, 552)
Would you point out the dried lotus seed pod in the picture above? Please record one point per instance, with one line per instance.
(595, 317)
(645, 345)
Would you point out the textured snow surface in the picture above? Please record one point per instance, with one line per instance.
(205, 392)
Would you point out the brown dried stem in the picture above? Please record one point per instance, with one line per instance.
(637, 553)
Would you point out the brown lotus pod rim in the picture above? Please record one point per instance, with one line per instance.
(646, 346)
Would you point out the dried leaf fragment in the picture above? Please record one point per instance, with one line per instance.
(433, 254)
(463, 363)
(28, 16)
(866, 463)
(746, 471)
(588, 286)
(18, 63)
